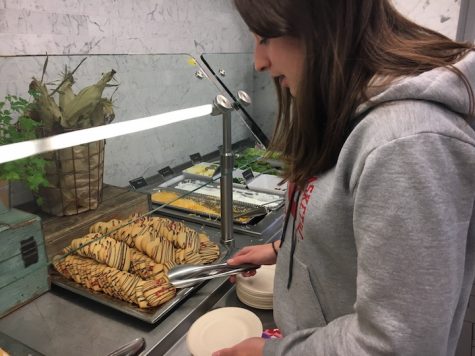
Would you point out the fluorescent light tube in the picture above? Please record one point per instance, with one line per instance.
(24, 149)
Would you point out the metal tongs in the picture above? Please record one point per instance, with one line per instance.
(187, 275)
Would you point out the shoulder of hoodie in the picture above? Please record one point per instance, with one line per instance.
(433, 102)
(393, 121)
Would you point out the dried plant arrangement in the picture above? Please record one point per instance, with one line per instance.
(75, 174)
(73, 111)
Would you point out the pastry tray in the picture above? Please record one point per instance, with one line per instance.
(239, 208)
(150, 315)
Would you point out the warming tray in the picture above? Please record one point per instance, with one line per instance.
(241, 195)
(151, 315)
(210, 206)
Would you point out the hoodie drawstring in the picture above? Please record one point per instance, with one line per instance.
(293, 244)
(293, 237)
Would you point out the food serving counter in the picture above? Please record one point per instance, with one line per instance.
(148, 89)
(63, 323)
(72, 322)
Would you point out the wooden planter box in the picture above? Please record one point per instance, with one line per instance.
(23, 263)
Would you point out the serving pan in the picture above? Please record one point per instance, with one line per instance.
(150, 315)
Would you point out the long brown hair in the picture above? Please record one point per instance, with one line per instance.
(347, 43)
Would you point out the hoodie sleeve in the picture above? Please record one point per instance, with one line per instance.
(413, 205)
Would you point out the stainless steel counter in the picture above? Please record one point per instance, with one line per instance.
(63, 323)
(228, 300)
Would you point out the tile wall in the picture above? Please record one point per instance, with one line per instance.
(112, 27)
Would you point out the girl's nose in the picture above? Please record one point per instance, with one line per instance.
(261, 62)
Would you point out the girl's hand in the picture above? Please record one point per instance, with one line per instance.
(258, 255)
(249, 347)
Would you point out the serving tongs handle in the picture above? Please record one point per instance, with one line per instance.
(212, 267)
(226, 270)
(189, 270)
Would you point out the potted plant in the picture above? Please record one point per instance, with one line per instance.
(16, 126)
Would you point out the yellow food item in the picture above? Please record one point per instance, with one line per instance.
(185, 203)
(202, 170)
(166, 197)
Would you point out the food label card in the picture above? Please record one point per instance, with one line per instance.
(138, 182)
(167, 171)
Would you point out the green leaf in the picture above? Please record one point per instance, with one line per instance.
(39, 201)
(10, 176)
(17, 128)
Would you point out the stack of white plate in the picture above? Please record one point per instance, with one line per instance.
(257, 291)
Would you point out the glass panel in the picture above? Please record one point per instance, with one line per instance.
(235, 71)
(147, 85)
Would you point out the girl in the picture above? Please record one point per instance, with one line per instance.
(377, 252)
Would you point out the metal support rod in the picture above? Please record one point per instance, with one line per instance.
(227, 163)
(222, 106)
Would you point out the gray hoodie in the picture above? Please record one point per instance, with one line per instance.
(385, 241)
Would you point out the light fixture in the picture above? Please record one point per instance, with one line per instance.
(14, 151)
